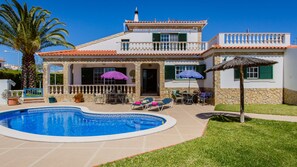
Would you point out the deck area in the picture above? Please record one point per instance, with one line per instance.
(14, 152)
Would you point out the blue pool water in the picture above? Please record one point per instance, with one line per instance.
(71, 121)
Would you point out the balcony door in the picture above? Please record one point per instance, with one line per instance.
(168, 41)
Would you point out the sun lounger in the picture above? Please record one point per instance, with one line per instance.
(160, 105)
(142, 103)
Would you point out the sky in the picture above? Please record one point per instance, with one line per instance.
(88, 20)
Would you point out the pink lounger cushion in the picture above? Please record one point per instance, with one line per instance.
(154, 103)
(137, 102)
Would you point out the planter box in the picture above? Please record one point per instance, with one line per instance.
(52, 100)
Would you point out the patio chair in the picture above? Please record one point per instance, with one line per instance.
(204, 96)
(177, 97)
(160, 105)
(142, 103)
(129, 98)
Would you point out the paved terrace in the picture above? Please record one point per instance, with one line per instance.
(14, 152)
(191, 122)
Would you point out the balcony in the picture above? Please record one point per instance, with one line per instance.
(251, 39)
(222, 39)
(162, 47)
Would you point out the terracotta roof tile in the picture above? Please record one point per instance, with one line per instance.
(248, 47)
(107, 53)
(78, 53)
(292, 46)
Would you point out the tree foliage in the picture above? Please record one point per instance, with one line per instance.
(29, 31)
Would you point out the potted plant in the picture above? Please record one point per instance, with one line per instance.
(78, 98)
(52, 99)
(11, 100)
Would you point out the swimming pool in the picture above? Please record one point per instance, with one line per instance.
(78, 124)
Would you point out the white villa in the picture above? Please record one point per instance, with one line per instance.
(152, 53)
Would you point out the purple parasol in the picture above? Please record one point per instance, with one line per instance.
(114, 75)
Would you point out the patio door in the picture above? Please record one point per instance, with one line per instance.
(149, 82)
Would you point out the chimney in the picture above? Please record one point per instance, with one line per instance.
(136, 15)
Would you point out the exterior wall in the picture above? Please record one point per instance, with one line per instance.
(115, 43)
(177, 84)
(208, 82)
(228, 81)
(4, 85)
(290, 76)
(256, 92)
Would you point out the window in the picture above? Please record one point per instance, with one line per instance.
(252, 73)
(125, 44)
(261, 72)
(167, 41)
(97, 76)
(180, 68)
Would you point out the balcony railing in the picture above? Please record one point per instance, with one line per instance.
(251, 39)
(222, 39)
(147, 47)
(91, 89)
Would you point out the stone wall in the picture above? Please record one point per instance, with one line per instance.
(69, 98)
(251, 96)
(290, 96)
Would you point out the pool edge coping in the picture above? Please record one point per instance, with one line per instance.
(170, 122)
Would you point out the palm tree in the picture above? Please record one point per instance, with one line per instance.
(29, 31)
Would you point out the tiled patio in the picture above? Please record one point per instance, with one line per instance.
(14, 152)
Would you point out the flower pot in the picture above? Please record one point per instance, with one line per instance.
(13, 101)
(77, 100)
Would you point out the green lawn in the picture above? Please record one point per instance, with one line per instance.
(254, 143)
(274, 109)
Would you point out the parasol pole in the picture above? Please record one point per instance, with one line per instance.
(241, 94)
(189, 86)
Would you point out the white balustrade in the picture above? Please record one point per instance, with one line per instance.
(56, 89)
(96, 89)
(17, 93)
(251, 39)
(150, 47)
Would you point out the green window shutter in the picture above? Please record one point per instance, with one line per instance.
(169, 72)
(266, 72)
(201, 68)
(237, 73)
(182, 37)
(156, 38)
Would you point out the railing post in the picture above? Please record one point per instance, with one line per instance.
(46, 77)
(65, 78)
(137, 79)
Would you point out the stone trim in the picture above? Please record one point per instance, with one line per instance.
(290, 96)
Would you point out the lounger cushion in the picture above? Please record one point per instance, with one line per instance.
(137, 102)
